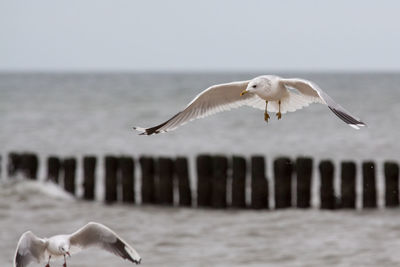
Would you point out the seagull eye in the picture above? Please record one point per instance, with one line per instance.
(254, 86)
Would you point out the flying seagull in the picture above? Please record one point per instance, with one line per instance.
(268, 92)
(32, 248)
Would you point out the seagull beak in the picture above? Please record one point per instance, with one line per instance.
(243, 92)
(68, 254)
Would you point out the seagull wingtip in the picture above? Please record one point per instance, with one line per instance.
(358, 125)
(354, 126)
(142, 131)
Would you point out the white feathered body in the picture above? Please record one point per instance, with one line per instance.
(272, 90)
(55, 243)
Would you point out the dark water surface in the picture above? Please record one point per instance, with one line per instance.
(193, 237)
(79, 114)
(76, 114)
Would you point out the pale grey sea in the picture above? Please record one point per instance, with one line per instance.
(80, 114)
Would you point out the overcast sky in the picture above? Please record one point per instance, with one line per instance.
(207, 35)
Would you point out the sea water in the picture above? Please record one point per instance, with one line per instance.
(82, 114)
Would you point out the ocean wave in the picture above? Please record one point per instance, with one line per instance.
(23, 189)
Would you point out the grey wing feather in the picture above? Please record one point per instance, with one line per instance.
(215, 99)
(30, 248)
(309, 88)
(95, 234)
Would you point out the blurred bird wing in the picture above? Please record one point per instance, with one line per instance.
(98, 235)
(312, 91)
(30, 248)
(214, 99)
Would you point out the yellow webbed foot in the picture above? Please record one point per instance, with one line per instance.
(266, 116)
(279, 114)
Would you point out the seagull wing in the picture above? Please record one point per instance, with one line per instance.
(30, 248)
(311, 91)
(214, 99)
(98, 235)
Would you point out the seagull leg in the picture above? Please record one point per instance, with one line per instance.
(279, 114)
(48, 262)
(266, 115)
(65, 262)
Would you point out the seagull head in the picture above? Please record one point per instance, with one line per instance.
(64, 249)
(258, 84)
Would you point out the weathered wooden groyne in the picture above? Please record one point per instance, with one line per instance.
(220, 181)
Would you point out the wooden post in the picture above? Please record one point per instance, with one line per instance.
(69, 166)
(303, 173)
(24, 167)
(29, 165)
(204, 165)
(327, 194)
(14, 164)
(127, 170)
(165, 190)
(89, 181)
(219, 182)
(182, 174)
(369, 185)
(348, 185)
(391, 184)
(53, 169)
(148, 185)
(259, 184)
(238, 182)
(283, 183)
(111, 164)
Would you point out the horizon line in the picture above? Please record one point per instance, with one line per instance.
(193, 71)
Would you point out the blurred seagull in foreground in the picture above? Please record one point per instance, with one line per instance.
(268, 92)
(32, 248)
